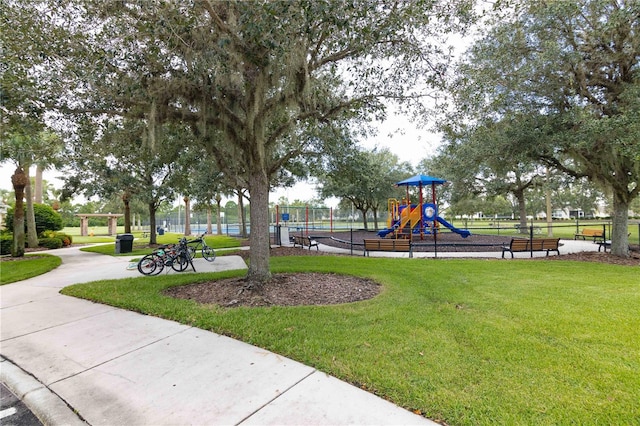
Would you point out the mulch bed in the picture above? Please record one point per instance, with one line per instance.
(282, 290)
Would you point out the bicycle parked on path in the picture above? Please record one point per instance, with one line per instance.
(199, 244)
(177, 256)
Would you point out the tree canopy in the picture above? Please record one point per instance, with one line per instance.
(248, 77)
(569, 74)
(364, 178)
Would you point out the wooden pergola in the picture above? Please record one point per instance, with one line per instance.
(112, 223)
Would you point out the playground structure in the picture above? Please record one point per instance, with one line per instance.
(406, 220)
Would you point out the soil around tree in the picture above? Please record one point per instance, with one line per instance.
(292, 289)
(295, 289)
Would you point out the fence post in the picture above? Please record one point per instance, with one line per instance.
(331, 219)
(351, 245)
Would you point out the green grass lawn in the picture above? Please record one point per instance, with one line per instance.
(140, 245)
(561, 228)
(465, 342)
(29, 266)
(39, 263)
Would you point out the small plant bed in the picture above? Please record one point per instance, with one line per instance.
(283, 290)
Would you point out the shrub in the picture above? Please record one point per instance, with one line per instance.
(47, 219)
(50, 243)
(5, 243)
(66, 239)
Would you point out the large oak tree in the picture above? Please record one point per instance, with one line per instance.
(571, 70)
(246, 76)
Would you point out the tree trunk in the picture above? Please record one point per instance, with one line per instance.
(549, 213)
(32, 232)
(620, 227)
(37, 197)
(242, 224)
(187, 216)
(209, 215)
(219, 216)
(127, 213)
(375, 218)
(259, 272)
(522, 209)
(364, 219)
(19, 181)
(152, 224)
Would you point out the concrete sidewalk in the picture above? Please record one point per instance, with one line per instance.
(77, 362)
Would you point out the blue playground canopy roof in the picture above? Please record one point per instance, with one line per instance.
(418, 180)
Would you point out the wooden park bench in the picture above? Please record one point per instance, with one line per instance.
(304, 242)
(380, 244)
(606, 244)
(537, 244)
(596, 234)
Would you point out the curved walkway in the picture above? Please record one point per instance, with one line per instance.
(76, 362)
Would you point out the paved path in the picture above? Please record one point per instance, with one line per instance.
(77, 362)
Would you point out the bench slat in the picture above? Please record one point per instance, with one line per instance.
(304, 242)
(596, 234)
(387, 245)
(537, 244)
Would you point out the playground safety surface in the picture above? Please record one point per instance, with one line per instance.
(445, 241)
(450, 242)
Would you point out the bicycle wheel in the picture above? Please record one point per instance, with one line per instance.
(191, 251)
(159, 258)
(149, 265)
(208, 253)
(181, 261)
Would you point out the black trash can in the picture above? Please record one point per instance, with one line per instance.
(160, 230)
(124, 243)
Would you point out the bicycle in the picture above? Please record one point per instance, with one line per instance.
(199, 243)
(175, 256)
